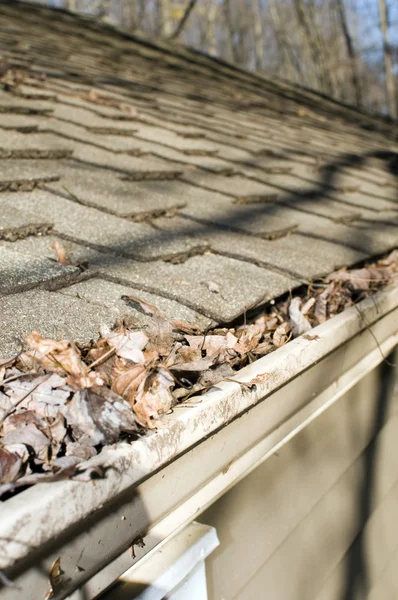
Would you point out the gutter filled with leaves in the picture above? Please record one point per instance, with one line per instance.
(60, 404)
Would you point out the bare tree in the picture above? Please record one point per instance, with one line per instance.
(315, 43)
(390, 84)
(306, 18)
(229, 31)
(350, 51)
(211, 27)
(189, 8)
(258, 34)
(166, 21)
(290, 61)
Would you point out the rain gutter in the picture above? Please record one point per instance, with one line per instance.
(157, 485)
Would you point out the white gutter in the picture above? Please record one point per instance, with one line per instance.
(147, 492)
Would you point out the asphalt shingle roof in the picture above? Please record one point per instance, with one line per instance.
(158, 170)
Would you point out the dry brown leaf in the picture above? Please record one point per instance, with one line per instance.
(111, 414)
(160, 334)
(128, 344)
(144, 307)
(360, 279)
(249, 337)
(56, 576)
(200, 364)
(321, 306)
(11, 465)
(126, 379)
(77, 452)
(209, 345)
(307, 306)
(6, 362)
(153, 398)
(61, 357)
(81, 422)
(60, 253)
(29, 435)
(264, 348)
(43, 395)
(310, 338)
(214, 375)
(189, 328)
(298, 321)
(212, 287)
(281, 335)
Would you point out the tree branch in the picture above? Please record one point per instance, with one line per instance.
(184, 19)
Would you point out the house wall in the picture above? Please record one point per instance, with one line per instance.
(318, 520)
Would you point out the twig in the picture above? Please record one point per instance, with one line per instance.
(102, 359)
(15, 377)
(13, 409)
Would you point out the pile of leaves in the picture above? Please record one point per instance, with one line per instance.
(61, 403)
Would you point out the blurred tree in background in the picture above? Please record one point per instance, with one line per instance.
(347, 49)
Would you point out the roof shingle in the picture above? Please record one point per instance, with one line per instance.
(160, 169)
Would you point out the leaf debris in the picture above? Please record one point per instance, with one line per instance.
(61, 403)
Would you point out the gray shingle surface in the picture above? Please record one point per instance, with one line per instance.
(110, 295)
(101, 230)
(156, 182)
(20, 272)
(242, 285)
(52, 314)
(123, 198)
(16, 224)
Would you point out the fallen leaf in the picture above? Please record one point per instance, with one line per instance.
(55, 576)
(111, 414)
(30, 436)
(212, 286)
(263, 348)
(249, 337)
(298, 321)
(281, 335)
(160, 334)
(144, 307)
(321, 306)
(11, 465)
(82, 425)
(200, 364)
(307, 306)
(215, 374)
(128, 344)
(43, 395)
(6, 362)
(61, 357)
(126, 379)
(139, 542)
(60, 253)
(153, 398)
